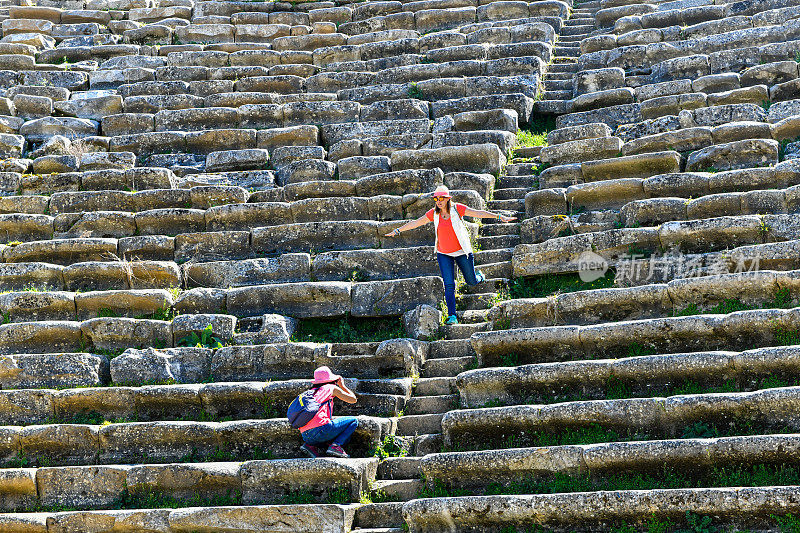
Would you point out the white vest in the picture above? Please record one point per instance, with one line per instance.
(458, 228)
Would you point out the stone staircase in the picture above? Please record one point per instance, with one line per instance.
(193, 201)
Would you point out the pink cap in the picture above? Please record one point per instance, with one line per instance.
(324, 375)
(442, 192)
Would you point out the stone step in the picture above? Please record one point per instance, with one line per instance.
(489, 284)
(170, 441)
(482, 300)
(260, 482)
(554, 107)
(492, 242)
(485, 257)
(557, 95)
(660, 417)
(556, 76)
(508, 205)
(576, 29)
(443, 349)
(326, 517)
(399, 468)
(379, 530)
(507, 228)
(501, 269)
(378, 516)
(642, 376)
(613, 340)
(447, 366)
(150, 403)
(576, 511)
(435, 386)
(464, 331)
(525, 152)
(568, 44)
(398, 489)
(428, 443)
(529, 181)
(558, 85)
(419, 424)
(424, 405)
(571, 38)
(510, 193)
(472, 315)
(474, 469)
(563, 67)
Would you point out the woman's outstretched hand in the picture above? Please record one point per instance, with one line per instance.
(506, 219)
(393, 233)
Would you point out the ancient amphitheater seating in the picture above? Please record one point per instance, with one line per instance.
(188, 186)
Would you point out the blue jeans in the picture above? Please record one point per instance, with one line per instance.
(447, 265)
(338, 431)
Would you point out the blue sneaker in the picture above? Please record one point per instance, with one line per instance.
(480, 277)
(452, 319)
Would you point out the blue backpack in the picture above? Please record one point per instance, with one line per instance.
(303, 409)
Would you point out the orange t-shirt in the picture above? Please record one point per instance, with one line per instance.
(448, 242)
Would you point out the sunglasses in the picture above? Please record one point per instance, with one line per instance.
(440, 198)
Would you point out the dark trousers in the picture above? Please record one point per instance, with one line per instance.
(447, 266)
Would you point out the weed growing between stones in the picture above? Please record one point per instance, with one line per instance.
(147, 498)
(205, 339)
(664, 477)
(595, 433)
(552, 284)
(348, 329)
(616, 389)
(391, 446)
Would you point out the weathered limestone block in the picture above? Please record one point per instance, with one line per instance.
(254, 158)
(130, 303)
(546, 202)
(267, 361)
(634, 166)
(653, 211)
(170, 221)
(274, 329)
(222, 326)
(28, 306)
(611, 194)
(769, 73)
(147, 247)
(212, 246)
(267, 481)
(62, 251)
(316, 236)
(387, 298)
(40, 337)
(245, 216)
(300, 300)
(577, 133)
(375, 264)
(53, 370)
(116, 333)
(19, 276)
(678, 140)
(581, 150)
(20, 227)
(258, 518)
(182, 365)
(113, 224)
(738, 154)
(702, 235)
(480, 158)
(287, 267)
(422, 322)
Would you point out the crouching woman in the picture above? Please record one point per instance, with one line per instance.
(326, 434)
